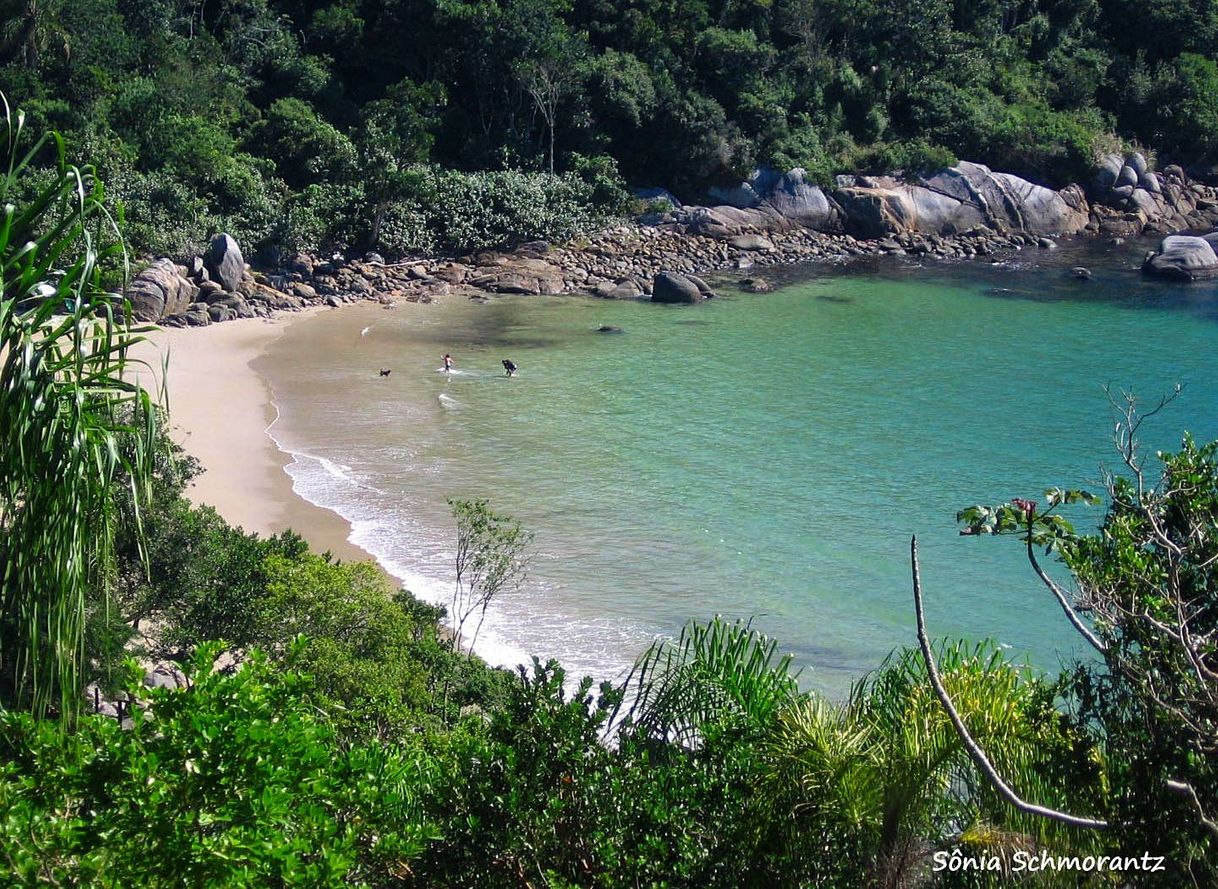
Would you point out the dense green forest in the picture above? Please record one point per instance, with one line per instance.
(314, 124)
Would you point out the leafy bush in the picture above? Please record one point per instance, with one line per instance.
(71, 420)
(321, 217)
(467, 212)
(234, 781)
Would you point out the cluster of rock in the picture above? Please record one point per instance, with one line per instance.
(220, 286)
(772, 218)
(1130, 199)
(623, 262)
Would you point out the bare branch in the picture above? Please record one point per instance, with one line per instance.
(1183, 787)
(1063, 601)
(976, 754)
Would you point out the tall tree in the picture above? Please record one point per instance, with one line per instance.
(35, 29)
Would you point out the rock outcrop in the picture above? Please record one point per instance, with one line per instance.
(529, 275)
(159, 290)
(1184, 258)
(1124, 197)
(780, 199)
(964, 198)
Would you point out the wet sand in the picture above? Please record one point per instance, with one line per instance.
(220, 409)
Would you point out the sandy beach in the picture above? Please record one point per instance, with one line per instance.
(220, 409)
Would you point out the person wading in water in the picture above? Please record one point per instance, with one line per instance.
(448, 363)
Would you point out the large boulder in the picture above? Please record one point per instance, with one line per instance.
(751, 242)
(1128, 176)
(798, 200)
(527, 275)
(159, 290)
(787, 196)
(1144, 202)
(1184, 258)
(224, 261)
(725, 221)
(1039, 210)
(1106, 172)
(669, 287)
(1003, 201)
(956, 200)
(742, 196)
(878, 210)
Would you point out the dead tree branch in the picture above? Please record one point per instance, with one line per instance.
(976, 754)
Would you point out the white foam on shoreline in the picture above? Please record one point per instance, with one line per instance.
(330, 485)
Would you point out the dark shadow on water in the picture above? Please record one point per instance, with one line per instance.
(834, 298)
(1030, 274)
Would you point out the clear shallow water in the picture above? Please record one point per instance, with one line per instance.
(755, 456)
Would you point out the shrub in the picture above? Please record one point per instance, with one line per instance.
(235, 781)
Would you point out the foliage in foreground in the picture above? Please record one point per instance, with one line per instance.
(236, 781)
(1147, 605)
(719, 771)
(70, 422)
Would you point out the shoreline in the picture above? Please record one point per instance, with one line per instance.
(244, 474)
(227, 423)
(255, 491)
(961, 213)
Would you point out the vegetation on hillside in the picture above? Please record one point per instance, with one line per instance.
(414, 125)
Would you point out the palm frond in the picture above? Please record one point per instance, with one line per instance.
(716, 676)
(70, 422)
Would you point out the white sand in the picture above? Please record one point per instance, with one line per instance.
(219, 412)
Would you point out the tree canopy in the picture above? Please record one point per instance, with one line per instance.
(265, 116)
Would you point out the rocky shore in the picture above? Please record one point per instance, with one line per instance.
(963, 212)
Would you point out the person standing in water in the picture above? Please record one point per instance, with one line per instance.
(448, 363)
(509, 367)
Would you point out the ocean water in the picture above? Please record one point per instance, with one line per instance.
(757, 456)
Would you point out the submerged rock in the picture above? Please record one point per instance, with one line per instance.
(755, 285)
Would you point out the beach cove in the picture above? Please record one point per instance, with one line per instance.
(639, 464)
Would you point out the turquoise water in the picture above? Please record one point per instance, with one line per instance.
(763, 456)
